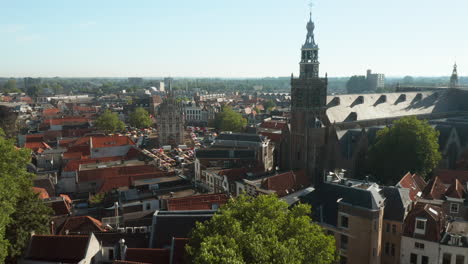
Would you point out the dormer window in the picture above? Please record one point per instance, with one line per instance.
(420, 226)
(454, 208)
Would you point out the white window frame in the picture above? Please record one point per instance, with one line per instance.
(418, 230)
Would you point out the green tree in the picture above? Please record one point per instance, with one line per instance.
(109, 122)
(357, 84)
(140, 118)
(409, 145)
(31, 215)
(10, 87)
(16, 199)
(34, 90)
(268, 105)
(229, 120)
(260, 230)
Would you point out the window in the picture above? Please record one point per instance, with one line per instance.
(344, 242)
(413, 258)
(393, 250)
(460, 259)
(420, 226)
(454, 208)
(343, 260)
(394, 229)
(425, 260)
(344, 221)
(110, 253)
(446, 258)
(387, 248)
(388, 228)
(148, 206)
(419, 245)
(375, 225)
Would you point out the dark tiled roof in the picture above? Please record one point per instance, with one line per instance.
(396, 202)
(148, 255)
(65, 249)
(133, 240)
(225, 154)
(240, 137)
(176, 224)
(456, 190)
(326, 197)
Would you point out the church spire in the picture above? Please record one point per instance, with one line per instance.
(309, 65)
(454, 77)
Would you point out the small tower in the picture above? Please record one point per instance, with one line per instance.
(454, 77)
(309, 65)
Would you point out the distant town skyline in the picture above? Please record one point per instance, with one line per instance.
(236, 39)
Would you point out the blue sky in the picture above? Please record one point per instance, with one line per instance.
(242, 38)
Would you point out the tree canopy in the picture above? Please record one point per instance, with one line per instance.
(17, 219)
(409, 145)
(109, 122)
(268, 105)
(229, 120)
(260, 230)
(140, 118)
(357, 84)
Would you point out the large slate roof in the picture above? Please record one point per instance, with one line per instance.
(396, 202)
(324, 200)
(169, 224)
(356, 107)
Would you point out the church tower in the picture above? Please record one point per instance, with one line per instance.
(308, 111)
(454, 77)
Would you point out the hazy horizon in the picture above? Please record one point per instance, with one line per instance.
(231, 40)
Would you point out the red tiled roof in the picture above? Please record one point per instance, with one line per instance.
(447, 176)
(73, 165)
(60, 207)
(196, 202)
(43, 194)
(435, 189)
(52, 248)
(148, 255)
(34, 137)
(280, 125)
(50, 111)
(66, 120)
(72, 155)
(36, 146)
(286, 183)
(434, 225)
(111, 141)
(82, 224)
(456, 190)
(179, 250)
(89, 109)
(414, 183)
(26, 99)
(66, 198)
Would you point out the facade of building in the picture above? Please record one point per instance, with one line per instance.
(375, 80)
(308, 107)
(170, 120)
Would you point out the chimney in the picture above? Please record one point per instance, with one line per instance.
(52, 228)
(116, 209)
(122, 249)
